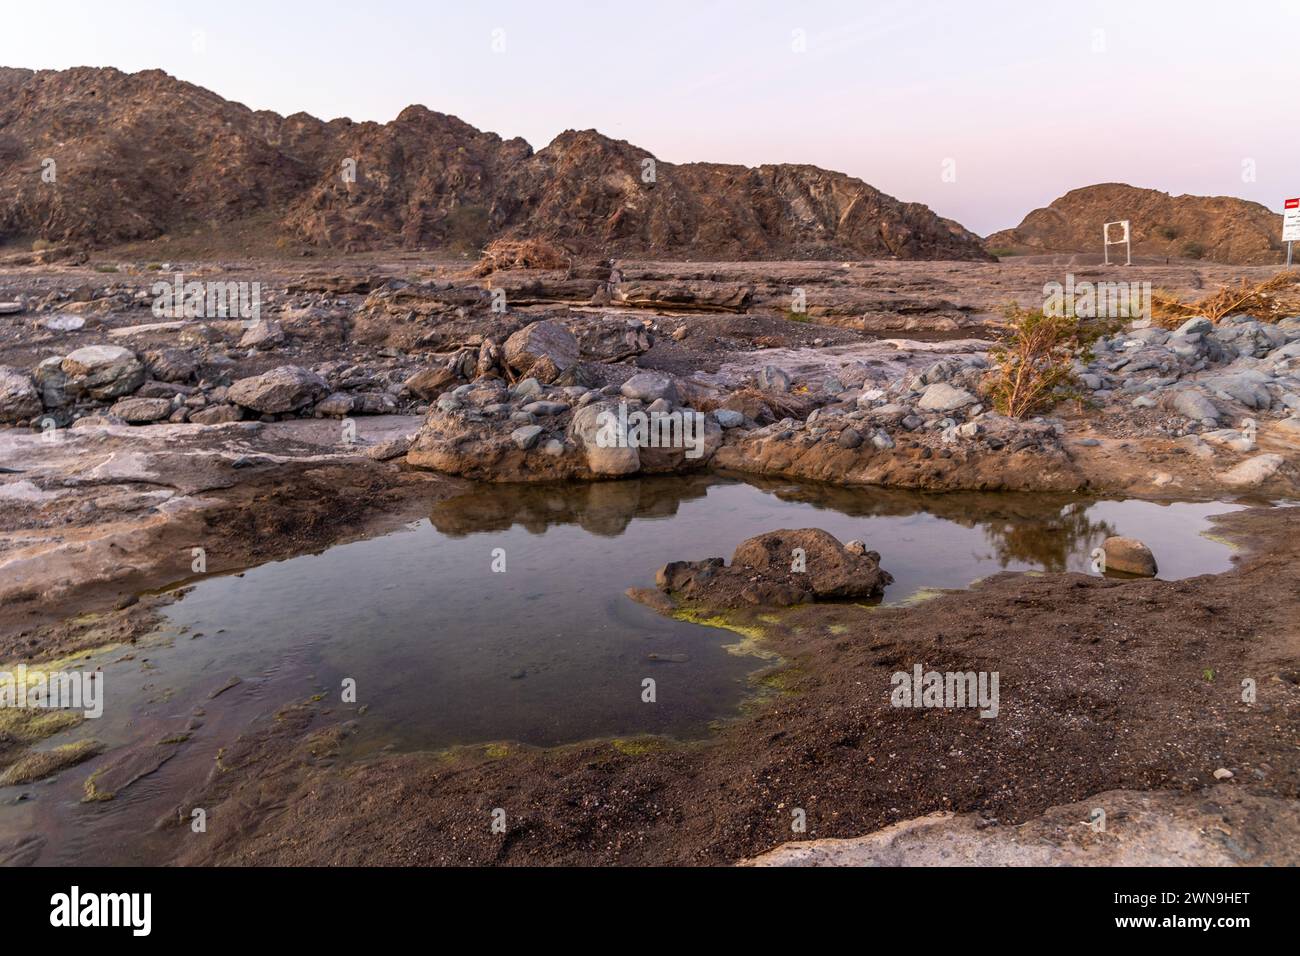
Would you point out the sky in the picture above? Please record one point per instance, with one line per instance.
(981, 110)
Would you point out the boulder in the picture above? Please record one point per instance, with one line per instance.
(1192, 404)
(262, 335)
(650, 387)
(543, 340)
(217, 414)
(942, 397)
(1253, 472)
(526, 437)
(779, 568)
(142, 411)
(102, 372)
(171, 365)
(283, 389)
(1130, 556)
(607, 461)
(1196, 326)
(19, 399)
(429, 383)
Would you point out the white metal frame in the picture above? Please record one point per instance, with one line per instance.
(1106, 242)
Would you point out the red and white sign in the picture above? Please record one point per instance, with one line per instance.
(1291, 220)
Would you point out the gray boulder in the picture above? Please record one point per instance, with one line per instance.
(650, 387)
(283, 389)
(19, 399)
(942, 397)
(102, 372)
(541, 340)
(142, 411)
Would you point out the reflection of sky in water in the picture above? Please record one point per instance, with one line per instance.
(445, 651)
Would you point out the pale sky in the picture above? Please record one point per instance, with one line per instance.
(1027, 99)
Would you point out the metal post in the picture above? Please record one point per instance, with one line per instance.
(1288, 253)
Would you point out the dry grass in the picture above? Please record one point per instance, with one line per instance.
(504, 254)
(1275, 298)
(1033, 364)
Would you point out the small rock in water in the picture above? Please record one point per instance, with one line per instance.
(1130, 556)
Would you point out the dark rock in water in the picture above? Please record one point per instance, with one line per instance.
(779, 569)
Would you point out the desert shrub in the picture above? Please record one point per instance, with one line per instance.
(1033, 364)
(1168, 232)
(1193, 250)
(792, 315)
(1003, 253)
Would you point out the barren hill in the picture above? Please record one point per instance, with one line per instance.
(1218, 228)
(137, 156)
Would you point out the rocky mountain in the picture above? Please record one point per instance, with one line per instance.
(137, 156)
(1218, 228)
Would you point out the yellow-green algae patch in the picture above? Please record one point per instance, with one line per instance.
(638, 746)
(39, 764)
(751, 634)
(920, 596)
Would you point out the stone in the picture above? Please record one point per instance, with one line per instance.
(527, 436)
(728, 418)
(608, 461)
(262, 334)
(52, 382)
(64, 323)
(1130, 556)
(1192, 404)
(849, 438)
(546, 408)
(942, 397)
(217, 414)
(541, 340)
(1196, 326)
(1253, 472)
(171, 365)
(882, 441)
(390, 449)
(773, 379)
(142, 411)
(650, 387)
(102, 372)
(283, 389)
(19, 399)
(10, 308)
(429, 383)
(336, 405)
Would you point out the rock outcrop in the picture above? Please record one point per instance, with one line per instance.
(1218, 228)
(423, 180)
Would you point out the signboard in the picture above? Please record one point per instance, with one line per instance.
(1291, 220)
(1120, 237)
